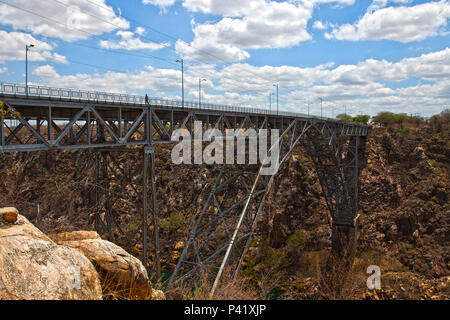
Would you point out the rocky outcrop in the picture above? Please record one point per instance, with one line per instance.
(34, 267)
(123, 275)
(8, 215)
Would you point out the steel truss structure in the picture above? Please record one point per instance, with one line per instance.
(225, 225)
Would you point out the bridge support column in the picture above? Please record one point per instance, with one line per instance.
(338, 161)
(149, 159)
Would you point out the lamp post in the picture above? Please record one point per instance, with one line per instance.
(276, 85)
(270, 101)
(200, 91)
(182, 81)
(27, 47)
(321, 108)
(309, 103)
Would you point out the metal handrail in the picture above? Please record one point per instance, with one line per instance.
(105, 97)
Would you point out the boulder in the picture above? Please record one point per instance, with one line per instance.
(123, 275)
(32, 267)
(9, 215)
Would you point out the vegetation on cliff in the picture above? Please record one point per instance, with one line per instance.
(404, 208)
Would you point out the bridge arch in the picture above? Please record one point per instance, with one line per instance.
(338, 159)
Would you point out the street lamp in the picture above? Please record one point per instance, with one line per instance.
(182, 81)
(27, 47)
(309, 103)
(321, 108)
(276, 85)
(270, 101)
(200, 91)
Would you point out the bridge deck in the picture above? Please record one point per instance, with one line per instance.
(70, 119)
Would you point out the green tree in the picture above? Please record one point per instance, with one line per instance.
(385, 118)
(401, 118)
(344, 117)
(362, 118)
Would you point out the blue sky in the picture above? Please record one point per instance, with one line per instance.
(366, 56)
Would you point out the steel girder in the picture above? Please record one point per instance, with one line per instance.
(338, 160)
(224, 227)
(134, 186)
(50, 125)
(223, 230)
(57, 127)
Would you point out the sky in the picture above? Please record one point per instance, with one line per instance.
(360, 56)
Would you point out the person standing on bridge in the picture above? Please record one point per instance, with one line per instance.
(146, 99)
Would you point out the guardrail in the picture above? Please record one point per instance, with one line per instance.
(105, 97)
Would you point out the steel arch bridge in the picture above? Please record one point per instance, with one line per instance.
(61, 119)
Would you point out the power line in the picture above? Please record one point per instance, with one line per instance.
(76, 29)
(103, 20)
(91, 34)
(173, 38)
(63, 43)
(123, 53)
(157, 31)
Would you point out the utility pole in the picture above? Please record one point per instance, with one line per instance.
(276, 85)
(27, 47)
(182, 81)
(309, 103)
(200, 91)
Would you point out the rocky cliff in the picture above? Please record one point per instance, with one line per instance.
(404, 208)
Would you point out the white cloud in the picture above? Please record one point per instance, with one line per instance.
(402, 24)
(3, 69)
(319, 25)
(160, 3)
(361, 86)
(379, 4)
(13, 48)
(27, 16)
(128, 41)
(140, 31)
(247, 25)
(151, 80)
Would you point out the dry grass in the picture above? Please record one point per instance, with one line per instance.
(117, 288)
(229, 289)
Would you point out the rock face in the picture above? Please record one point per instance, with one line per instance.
(34, 267)
(123, 275)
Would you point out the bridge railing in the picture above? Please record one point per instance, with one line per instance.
(105, 97)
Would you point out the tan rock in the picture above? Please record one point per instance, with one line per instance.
(74, 236)
(9, 215)
(158, 295)
(23, 227)
(123, 275)
(34, 267)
